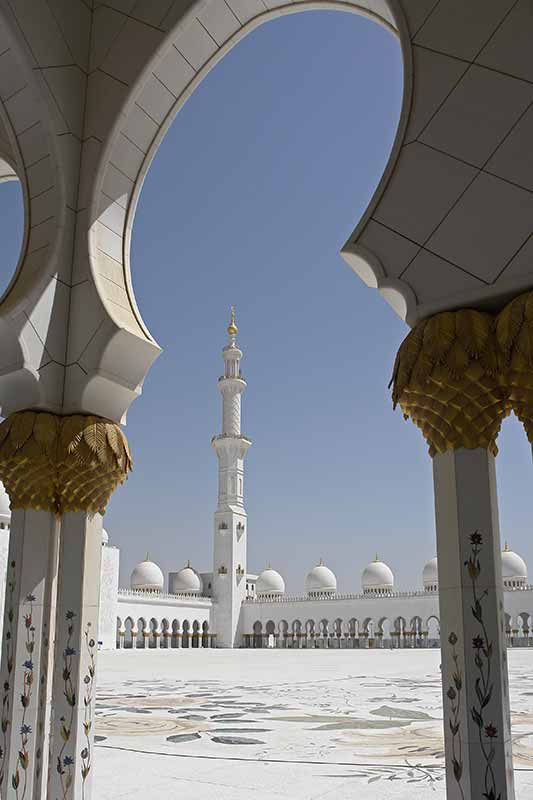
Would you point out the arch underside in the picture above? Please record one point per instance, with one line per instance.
(85, 104)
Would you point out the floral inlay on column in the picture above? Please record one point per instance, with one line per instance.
(23, 758)
(454, 696)
(66, 762)
(8, 636)
(42, 702)
(483, 649)
(86, 753)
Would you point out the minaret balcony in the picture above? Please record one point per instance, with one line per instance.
(227, 440)
(235, 383)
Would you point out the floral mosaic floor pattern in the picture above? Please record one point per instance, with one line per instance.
(283, 724)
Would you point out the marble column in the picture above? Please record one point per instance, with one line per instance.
(28, 630)
(75, 650)
(59, 472)
(474, 661)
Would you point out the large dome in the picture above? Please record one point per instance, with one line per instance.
(270, 582)
(514, 569)
(186, 581)
(430, 576)
(320, 580)
(147, 577)
(377, 578)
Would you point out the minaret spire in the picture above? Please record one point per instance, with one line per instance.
(229, 550)
(232, 327)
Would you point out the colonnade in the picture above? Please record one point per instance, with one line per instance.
(344, 635)
(308, 641)
(166, 635)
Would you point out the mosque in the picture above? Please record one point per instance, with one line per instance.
(231, 607)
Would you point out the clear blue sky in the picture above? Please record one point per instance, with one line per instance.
(258, 183)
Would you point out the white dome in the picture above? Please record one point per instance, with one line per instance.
(147, 577)
(377, 578)
(514, 569)
(185, 581)
(270, 582)
(430, 575)
(105, 536)
(5, 511)
(321, 580)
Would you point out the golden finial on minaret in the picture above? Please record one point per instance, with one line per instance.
(232, 327)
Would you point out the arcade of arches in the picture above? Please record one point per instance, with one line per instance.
(86, 97)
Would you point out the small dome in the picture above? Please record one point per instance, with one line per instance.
(320, 580)
(147, 577)
(105, 536)
(185, 581)
(377, 578)
(514, 569)
(5, 510)
(270, 582)
(430, 575)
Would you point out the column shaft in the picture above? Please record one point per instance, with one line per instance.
(27, 632)
(75, 650)
(474, 662)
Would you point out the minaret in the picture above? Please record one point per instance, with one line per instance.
(229, 564)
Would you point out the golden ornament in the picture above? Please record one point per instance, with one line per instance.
(448, 379)
(61, 464)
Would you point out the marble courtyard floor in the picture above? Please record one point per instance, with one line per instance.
(328, 724)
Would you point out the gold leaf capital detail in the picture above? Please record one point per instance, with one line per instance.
(449, 380)
(60, 464)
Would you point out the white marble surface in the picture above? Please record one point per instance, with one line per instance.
(326, 724)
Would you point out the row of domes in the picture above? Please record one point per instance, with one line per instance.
(377, 578)
(148, 577)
